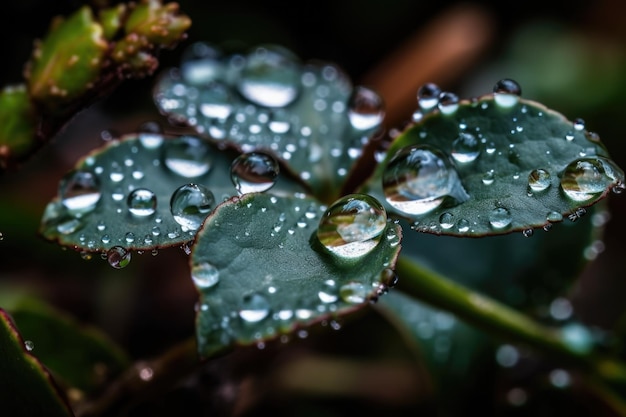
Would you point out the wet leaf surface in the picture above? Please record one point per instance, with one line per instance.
(261, 271)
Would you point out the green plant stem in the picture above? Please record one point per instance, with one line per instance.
(502, 321)
(143, 380)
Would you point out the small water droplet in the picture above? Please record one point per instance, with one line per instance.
(539, 179)
(463, 225)
(254, 172)
(205, 275)
(352, 226)
(187, 156)
(585, 178)
(365, 109)
(465, 148)
(79, 191)
(353, 292)
(118, 257)
(328, 293)
(428, 96)
(69, 226)
(419, 178)
(29, 345)
(554, 216)
(200, 64)
(579, 124)
(191, 204)
(507, 92)
(446, 220)
(255, 308)
(271, 77)
(448, 102)
(215, 101)
(141, 202)
(500, 218)
(528, 232)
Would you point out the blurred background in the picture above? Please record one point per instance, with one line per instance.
(569, 55)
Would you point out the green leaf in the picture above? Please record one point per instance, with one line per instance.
(26, 387)
(100, 213)
(308, 115)
(79, 356)
(262, 272)
(487, 169)
(68, 61)
(17, 124)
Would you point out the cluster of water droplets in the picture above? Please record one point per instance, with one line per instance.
(268, 99)
(159, 187)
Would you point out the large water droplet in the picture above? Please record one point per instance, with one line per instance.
(539, 179)
(271, 77)
(190, 204)
(118, 257)
(205, 275)
(188, 156)
(352, 226)
(585, 178)
(500, 218)
(79, 191)
(255, 308)
(254, 172)
(141, 202)
(200, 64)
(507, 92)
(215, 101)
(365, 109)
(419, 178)
(465, 148)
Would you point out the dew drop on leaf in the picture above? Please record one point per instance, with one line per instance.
(191, 204)
(79, 191)
(428, 96)
(507, 92)
(200, 64)
(539, 179)
(29, 345)
(365, 109)
(353, 292)
(585, 178)
(465, 148)
(448, 102)
(204, 275)
(419, 178)
(216, 101)
(352, 226)
(188, 156)
(141, 202)
(500, 218)
(270, 77)
(255, 308)
(118, 257)
(254, 172)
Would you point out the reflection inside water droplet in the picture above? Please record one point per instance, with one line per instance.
(254, 172)
(585, 178)
(191, 204)
(118, 257)
(539, 180)
(419, 178)
(352, 226)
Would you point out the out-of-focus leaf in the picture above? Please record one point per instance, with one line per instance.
(17, 123)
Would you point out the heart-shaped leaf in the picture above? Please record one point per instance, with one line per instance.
(493, 165)
(307, 115)
(145, 191)
(26, 387)
(262, 271)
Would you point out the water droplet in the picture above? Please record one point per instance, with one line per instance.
(215, 101)
(352, 226)
(187, 156)
(328, 294)
(353, 292)
(419, 178)
(365, 109)
(507, 92)
(500, 218)
(446, 220)
(118, 257)
(255, 308)
(29, 345)
(448, 102)
(191, 204)
(79, 191)
(465, 148)
(585, 178)
(528, 232)
(69, 226)
(489, 177)
(254, 172)
(141, 202)
(204, 275)
(271, 77)
(428, 96)
(554, 216)
(539, 179)
(200, 64)
(463, 225)
(579, 124)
